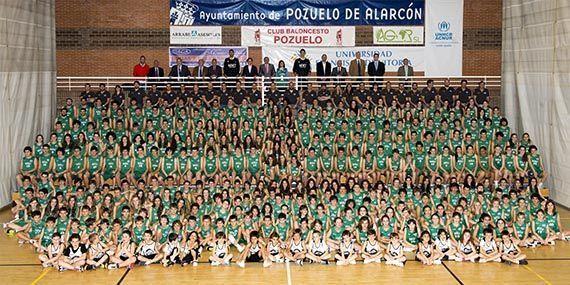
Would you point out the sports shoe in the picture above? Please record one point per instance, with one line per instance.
(112, 266)
(399, 264)
(240, 264)
(61, 269)
(353, 262)
(523, 262)
(215, 263)
(194, 263)
(437, 262)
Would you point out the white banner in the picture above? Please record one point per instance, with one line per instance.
(195, 35)
(398, 35)
(444, 37)
(391, 56)
(305, 36)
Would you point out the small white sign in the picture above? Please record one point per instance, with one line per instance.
(398, 35)
(303, 36)
(195, 35)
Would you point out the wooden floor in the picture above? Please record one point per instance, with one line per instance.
(547, 265)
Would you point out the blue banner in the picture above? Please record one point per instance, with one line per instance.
(191, 55)
(297, 13)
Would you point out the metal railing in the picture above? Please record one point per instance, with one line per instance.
(72, 83)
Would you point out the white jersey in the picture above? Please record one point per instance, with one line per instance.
(54, 250)
(296, 248)
(96, 250)
(273, 248)
(487, 247)
(318, 248)
(466, 248)
(395, 250)
(347, 249)
(125, 250)
(371, 248)
(426, 250)
(220, 250)
(254, 249)
(444, 246)
(171, 249)
(148, 248)
(509, 249)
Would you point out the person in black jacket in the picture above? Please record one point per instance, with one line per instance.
(231, 65)
(324, 67)
(376, 69)
(249, 70)
(179, 70)
(155, 70)
(302, 68)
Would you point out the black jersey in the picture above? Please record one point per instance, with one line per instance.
(231, 67)
(302, 67)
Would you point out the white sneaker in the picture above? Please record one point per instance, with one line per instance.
(437, 262)
(353, 262)
(194, 263)
(266, 264)
(112, 266)
(367, 261)
(227, 262)
(399, 264)
(215, 263)
(240, 264)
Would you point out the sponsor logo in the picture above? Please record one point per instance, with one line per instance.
(443, 33)
(182, 13)
(398, 35)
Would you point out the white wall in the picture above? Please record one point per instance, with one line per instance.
(536, 81)
(27, 81)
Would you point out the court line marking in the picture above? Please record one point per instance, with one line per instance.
(288, 267)
(123, 277)
(18, 264)
(452, 274)
(537, 275)
(44, 273)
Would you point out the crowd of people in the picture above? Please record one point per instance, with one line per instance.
(231, 67)
(314, 174)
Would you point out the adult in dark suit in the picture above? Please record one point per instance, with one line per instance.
(267, 69)
(249, 70)
(155, 70)
(324, 68)
(179, 70)
(215, 70)
(376, 69)
(405, 72)
(339, 70)
(200, 71)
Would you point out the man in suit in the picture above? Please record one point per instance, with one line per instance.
(249, 70)
(155, 70)
(179, 70)
(405, 72)
(215, 70)
(200, 71)
(267, 69)
(376, 69)
(339, 70)
(357, 67)
(324, 67)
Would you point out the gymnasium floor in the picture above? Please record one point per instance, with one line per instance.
(547, 265)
